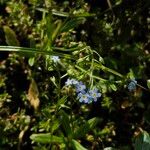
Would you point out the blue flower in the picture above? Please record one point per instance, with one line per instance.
(80, 87)
(84, 95)
(132, 85)
(84, 98)
(95, 94)
(68, 82)
(55, 59)
(75, 82)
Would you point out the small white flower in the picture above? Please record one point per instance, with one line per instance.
(55, 59)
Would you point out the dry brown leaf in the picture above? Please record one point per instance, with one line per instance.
(33, 95)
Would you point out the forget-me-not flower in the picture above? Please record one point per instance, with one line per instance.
(71, 82)
(95, 94)
(84, 98)
(132, 85)
(55, 59)
(84, 95)
(68, 82)
(75, 82)
(80, 87)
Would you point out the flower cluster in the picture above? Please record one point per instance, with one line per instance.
(132, 85)
(84, 95)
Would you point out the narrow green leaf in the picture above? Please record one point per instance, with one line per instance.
(93, 122)
(86, 72)
(49, 29)
(72, 24)
(11, 38)
(86, 14)
(61, 101)
(55, 125)
(109, 70)
(66, 123)
(77, 146)
(69, 49)
(66, 14)
(46, 138)
(56, 31)
(33, 51)
(113, 87)
(85, 128)
(60, 13)
(54, 12)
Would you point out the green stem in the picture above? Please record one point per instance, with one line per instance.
(109, 70)
(85, 71)
(91, 69)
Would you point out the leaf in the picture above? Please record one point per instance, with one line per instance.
(113, 87)
(11, 38)
(31, 61)
(77, 146)
(54, 12)
(66, 14)
(85, 14)
(62, 49)
(57, 29)
(148, 83)
(72, 24)
(61, 101)
(59, 13)
(46, 138)
(109, 70)
(33, 95)
(55, 125)
(85, 128)
(142, 142)
(49, 29)
(66, 123)
(34, 51)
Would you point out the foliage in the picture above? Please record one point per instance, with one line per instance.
(74, 74)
